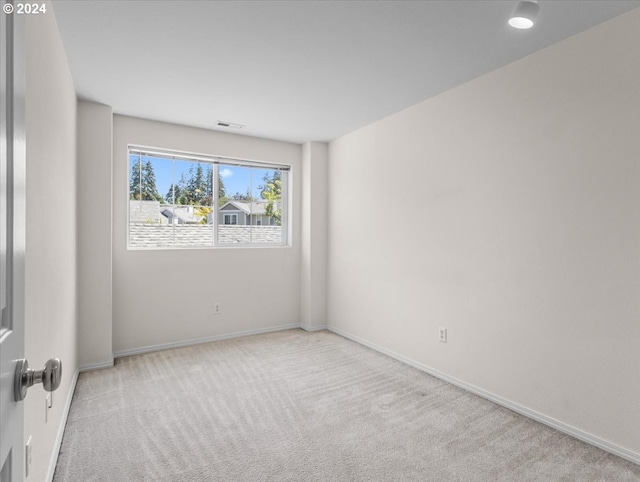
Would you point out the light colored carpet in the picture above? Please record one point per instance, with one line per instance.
(297, 406)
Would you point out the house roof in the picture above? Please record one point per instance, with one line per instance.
(259, 207)
(144, 211)
(181, 214)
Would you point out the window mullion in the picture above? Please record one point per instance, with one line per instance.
(250, 204)
(215, 197)
(284, 202)
(173, 207)
(140, 179)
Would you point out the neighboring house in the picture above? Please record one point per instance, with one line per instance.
(245, 214)
(145, 212)
(152, 212)
(180, 215)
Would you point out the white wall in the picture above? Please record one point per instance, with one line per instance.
(50, 277)
(506, 210)
(95, 143)
(168, 296)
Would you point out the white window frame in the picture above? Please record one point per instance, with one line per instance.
(224, 220)
(216, 161)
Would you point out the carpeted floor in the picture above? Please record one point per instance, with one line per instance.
(297, 406)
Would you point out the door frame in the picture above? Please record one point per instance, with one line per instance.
(13, 147)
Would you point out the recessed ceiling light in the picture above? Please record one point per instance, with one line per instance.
(229, 125)
(524, 15)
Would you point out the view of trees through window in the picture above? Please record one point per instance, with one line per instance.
(181, 202)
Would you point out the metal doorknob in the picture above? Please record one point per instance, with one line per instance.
(50, 377)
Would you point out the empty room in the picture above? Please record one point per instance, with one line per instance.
(320, 240)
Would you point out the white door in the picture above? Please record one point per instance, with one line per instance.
(12, 232)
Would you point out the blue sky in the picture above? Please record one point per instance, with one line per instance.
(236, 179)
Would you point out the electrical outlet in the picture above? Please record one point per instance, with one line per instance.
(442, 334)
(27, 458)
(216, 309)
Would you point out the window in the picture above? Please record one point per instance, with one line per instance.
(181, 200)
(230, 219)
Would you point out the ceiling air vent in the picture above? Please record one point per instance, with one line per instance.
(229, 125)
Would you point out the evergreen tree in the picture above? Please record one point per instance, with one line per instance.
(135, 181)
(246, 197)
(207, 199)
(178, 193)
(222, 191)
(173, 194)
(196, 185)
(149, 188)
(182, 196)
(271, 191)
(196, 188)
(142, 184)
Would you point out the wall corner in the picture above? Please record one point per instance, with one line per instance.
(313, 286)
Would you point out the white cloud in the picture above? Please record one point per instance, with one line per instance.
(226, 173)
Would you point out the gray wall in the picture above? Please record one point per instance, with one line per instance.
(313, 255)
(95, 141)
(144, 280)
(51, 250)
(526, 247)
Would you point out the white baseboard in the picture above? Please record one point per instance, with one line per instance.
(199, 341)
(63, 423)
(96, 366)
(522, 410)
(313, 328)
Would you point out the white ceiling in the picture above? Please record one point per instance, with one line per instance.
(296, 70)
